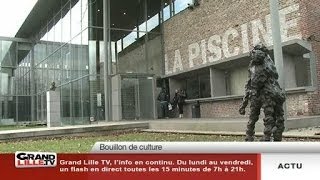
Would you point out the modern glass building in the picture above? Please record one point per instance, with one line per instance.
(105, 57)
(109, 58)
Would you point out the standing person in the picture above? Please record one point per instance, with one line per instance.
(163, 97)
(179, 100)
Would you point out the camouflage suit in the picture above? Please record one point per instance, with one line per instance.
(263, 91)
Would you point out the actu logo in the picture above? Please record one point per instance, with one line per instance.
(35, 159)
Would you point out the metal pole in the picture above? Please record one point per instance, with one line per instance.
(107, 61)
(32, 79)
(162, 39)
(146, 39)
(171, 8)
(277, 47)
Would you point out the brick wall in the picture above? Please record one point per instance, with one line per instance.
(296, 106)
(227, 24)
(134, 58)
(219, 108)
(215, 17)
(310, 25)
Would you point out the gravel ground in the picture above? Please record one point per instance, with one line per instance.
(310, 131)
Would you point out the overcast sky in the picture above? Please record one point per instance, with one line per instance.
(12, 15)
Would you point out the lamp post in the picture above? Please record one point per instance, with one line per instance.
(277, 46)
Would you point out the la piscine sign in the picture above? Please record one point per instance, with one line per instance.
(217, 47)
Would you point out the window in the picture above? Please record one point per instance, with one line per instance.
(198, 85)
(180, 5)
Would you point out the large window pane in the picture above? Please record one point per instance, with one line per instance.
(76, 56)
(76, 19)
(66, 23)
(7, 53)
(96, 86)
(84, 14)
(127, 18)
(204, 83)
(57, 66)
(39, 52)
(85, 98)
(51, 37)
(166, 12)
(180, 5)
(58, 28)
(66, 63)
(95, 9)
(84, 53)
(51, 70)
(153, 11)
(65, 104)
(198, 84)
(76, 99)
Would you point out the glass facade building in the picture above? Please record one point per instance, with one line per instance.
(71, 51)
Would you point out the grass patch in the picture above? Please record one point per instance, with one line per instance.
(76, 144)
(84, 144)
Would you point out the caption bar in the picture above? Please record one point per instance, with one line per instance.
(204, 147)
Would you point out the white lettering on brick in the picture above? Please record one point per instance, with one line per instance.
(194, 52)
(177, 61)
(230, 33)
(287, 25)
(166, 65)
(244, 36)
(204, 51)
(258, 29)
(211, 49)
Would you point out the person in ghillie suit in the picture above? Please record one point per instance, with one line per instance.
(263, 91)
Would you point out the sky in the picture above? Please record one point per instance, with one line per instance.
(12, 14)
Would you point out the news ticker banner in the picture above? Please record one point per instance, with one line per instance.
(172, 160)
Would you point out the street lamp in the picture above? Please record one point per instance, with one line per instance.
(277, 47)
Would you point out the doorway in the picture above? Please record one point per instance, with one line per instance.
(137, 97)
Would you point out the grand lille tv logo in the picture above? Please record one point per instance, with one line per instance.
(35, 159)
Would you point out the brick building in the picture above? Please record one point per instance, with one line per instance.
(110, 58)
(206, 53)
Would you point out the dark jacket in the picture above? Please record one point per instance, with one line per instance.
(180, 97)
(163, 96)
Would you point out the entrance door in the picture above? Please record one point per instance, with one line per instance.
(129, 91)
(137, 100)
(146, 99)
